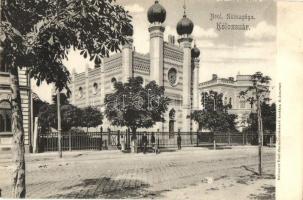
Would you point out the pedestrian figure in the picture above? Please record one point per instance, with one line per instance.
(153, 141)
(179, 139)
(123, 143)
(144, 141)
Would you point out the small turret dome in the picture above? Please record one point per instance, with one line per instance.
(185, 26)
(195, 52)
(156, 13)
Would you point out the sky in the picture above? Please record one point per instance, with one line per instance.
(223, 52)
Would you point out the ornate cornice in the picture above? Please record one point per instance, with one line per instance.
(156, 30)
(185, 41)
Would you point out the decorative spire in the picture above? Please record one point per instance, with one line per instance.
(184, 8)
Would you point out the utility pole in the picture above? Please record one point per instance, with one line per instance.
(59, 106)
(59, 123)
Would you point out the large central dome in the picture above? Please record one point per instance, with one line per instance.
(185, 26)
(156, 13)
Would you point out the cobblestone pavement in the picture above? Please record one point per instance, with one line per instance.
(112, 174)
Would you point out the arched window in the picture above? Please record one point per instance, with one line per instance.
(3, 67)
(95, 88)
(114, 80)
(8, 123)
(2, 123)
(142, 80)
(225, 100)
(80, 92)
(172, 76)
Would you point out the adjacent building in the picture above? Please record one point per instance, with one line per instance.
(231, 88)
(5, 106)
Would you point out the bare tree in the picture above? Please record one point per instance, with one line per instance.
(260, 89)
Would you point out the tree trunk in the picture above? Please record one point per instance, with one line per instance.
(18, 187)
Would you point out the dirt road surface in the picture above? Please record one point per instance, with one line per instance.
(191, 173)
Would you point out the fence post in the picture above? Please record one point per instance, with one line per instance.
(243, 138)
(69, 140)
(108, 137)
(118, 143)
(197, 138)
(228, 138)
(179, 130)
(126, 139)
(36, 137)
(101, 142)
(191, 137)
(158, 140)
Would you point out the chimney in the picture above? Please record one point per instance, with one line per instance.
(215, 76)
(171, 39)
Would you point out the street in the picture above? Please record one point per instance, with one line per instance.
(193, 173)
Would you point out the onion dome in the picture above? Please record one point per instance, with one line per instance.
(185, 26)
(156, 13)
(127, 30)
(195, 52)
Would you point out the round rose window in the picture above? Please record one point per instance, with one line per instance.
(172, 76)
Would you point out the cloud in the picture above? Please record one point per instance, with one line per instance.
(262, 31)
(200, 32)
(134, 8)
(204, 43)
(260, 44)
(170, 31)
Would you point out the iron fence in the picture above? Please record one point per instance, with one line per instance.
(113, 139)
(70, 141)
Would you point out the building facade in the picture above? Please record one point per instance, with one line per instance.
(5, 106)
(174, 65)
(231, 88)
